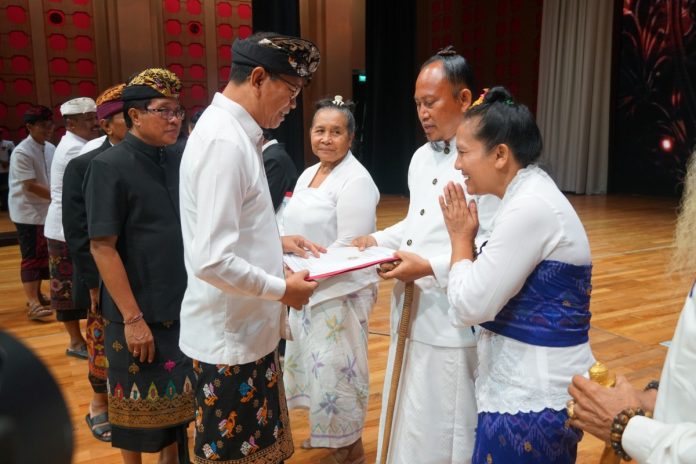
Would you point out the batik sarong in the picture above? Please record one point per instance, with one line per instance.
(150, 404)
(61, 270)
(32, 246)
(525, 438)
(241, 413)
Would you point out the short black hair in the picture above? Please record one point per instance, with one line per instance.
(345, 107)
(502, 120)
(138, 105)
(458, 70)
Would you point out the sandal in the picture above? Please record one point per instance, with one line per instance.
(37, 311)
(80, 353)
(43, 299)
(100, 426)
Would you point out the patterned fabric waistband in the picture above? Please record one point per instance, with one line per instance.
(552, 308)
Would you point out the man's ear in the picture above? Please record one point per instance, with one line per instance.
(465, 98)
(135, 116)
(257, 76)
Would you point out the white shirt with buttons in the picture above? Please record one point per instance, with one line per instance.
(423, 232)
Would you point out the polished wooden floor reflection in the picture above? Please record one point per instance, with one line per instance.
(635, 306)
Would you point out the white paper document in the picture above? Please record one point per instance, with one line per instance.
(339, 260)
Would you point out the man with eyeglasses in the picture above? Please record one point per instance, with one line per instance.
(233, 314)
(131, 197)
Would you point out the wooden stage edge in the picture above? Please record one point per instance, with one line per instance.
(635, 306)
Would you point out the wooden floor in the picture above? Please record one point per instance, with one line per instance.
(635, 306)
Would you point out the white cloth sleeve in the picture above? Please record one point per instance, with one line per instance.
(522, 237)
(221, 196)
(392, 236)
(652, 442)
(441, 268)
(22, 166)
(355, 211)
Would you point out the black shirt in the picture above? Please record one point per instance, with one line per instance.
(280, 172)
(85, 273)
(132, 191)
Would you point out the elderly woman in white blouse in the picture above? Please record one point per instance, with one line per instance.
(326, 364)
(528, 288)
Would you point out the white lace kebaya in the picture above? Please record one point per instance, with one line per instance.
(535, 224)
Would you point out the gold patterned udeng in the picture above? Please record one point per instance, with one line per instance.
(162, 80)
(110, 94)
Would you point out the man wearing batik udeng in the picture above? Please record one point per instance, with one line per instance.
(132, 197)
(233, 313)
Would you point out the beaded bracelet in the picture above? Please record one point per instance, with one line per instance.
(619, 425)
(133, 319)
(652, 385)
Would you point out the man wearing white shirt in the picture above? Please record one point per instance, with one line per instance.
(435, 414)
(233, 312)
(29, 198)
(81, 125)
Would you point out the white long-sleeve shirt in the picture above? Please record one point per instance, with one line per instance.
(68, 148)
(670, 437)
(423, 232)
(230, 313)
(535, 223)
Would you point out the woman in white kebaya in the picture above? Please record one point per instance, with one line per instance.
(326, 364)
(528, 287)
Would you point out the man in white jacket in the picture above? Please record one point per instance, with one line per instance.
(435, 414)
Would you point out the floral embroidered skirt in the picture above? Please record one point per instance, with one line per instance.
(150, 404)
(241, 414)
(326, 367)
(61, 270)
(525, 438)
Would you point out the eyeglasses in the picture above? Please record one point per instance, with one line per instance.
(166, 113)
(294, 89)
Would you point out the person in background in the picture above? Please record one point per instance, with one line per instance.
(621, 415)
(279, 167)
(81, 125)
(29, 198)
(326, 367)
(6, 147)
(233, 313)
(131, 196)
(194, 119)
(436, 401)
(85, 282)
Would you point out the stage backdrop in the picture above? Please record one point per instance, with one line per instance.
(654, 98)
(499, 37)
